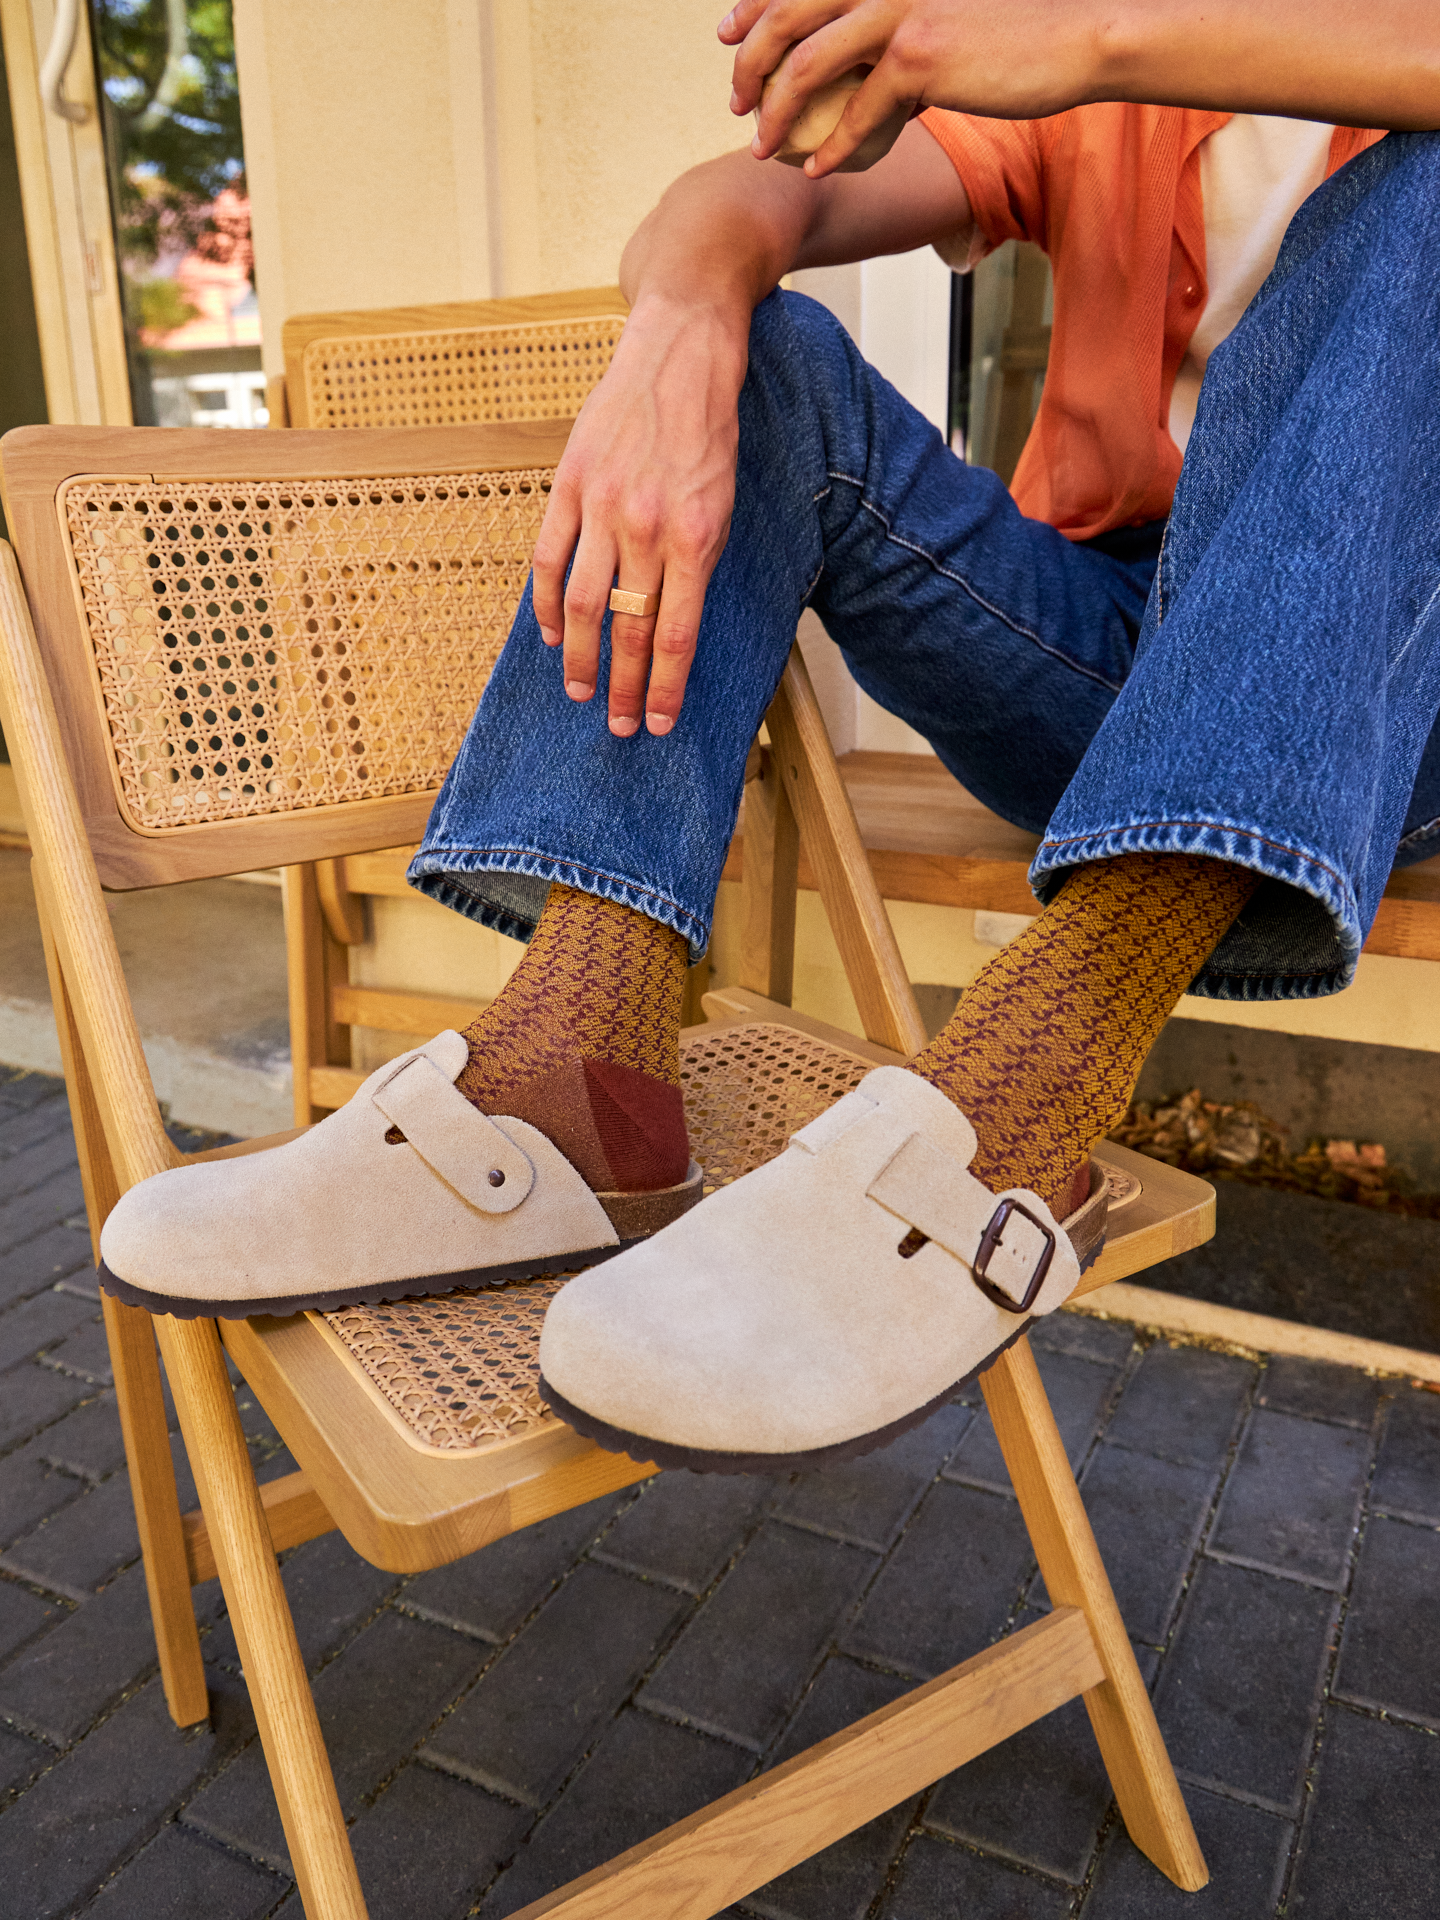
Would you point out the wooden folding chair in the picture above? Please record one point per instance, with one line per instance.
(460, 363)
(234, 651)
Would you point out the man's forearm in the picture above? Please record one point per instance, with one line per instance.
(723, 235)
(1356, 64)
(1367, 63)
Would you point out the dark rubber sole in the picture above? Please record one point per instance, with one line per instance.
(634, 1216)
(422, 1287)
(708, 1460)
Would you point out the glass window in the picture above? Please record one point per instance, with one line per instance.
(166, 71)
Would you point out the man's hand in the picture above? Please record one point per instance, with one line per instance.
(1331, 60)
(642, 498)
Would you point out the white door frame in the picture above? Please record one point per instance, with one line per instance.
(65, 195)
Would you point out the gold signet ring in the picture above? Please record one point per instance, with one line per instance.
(642, 605)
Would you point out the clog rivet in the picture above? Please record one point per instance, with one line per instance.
(497, 1178)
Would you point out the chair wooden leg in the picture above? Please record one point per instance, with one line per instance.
(857, 915)
(1120, 1711)
(315, 962)
(138, 1393)
(768, 882)
(264, 1631)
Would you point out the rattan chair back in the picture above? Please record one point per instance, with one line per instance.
(534, 358)
(266, 648)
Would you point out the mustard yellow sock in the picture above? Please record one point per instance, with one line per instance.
(584, 1042)
(1045, 1048)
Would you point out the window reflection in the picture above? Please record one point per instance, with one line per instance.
(166, 71)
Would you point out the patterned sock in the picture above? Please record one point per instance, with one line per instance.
(1046, 1046)
(583, 1042)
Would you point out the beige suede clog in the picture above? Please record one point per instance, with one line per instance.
(342, 1215)
(819, 1306)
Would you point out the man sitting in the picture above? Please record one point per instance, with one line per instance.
(1226, 740)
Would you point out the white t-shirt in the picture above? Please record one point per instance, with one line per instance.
(1254, 174)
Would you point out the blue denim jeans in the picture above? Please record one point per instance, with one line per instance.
(1269, 696)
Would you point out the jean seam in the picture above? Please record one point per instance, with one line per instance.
(1417, 834)
(997, 613)
(554, 860)
(1344, 891)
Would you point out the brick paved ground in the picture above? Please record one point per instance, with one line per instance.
(1273, 1531)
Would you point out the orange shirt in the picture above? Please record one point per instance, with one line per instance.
(1112, 193)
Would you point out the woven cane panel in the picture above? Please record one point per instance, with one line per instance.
(424, 379)
(748, 1088)
(462, 1372)
(268, 649)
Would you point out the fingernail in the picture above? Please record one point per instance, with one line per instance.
(755, 147)
(623, 725)
(550, 636)
(659, 722)
(735, 106)
(579, 689)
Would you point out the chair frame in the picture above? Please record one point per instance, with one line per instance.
(81, 841)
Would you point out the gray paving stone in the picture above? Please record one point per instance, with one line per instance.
(33, 1398)
(1184, 1404)
(180, 1876)
(738, 1667)
(21, 1090)
(83, 1281)
(1246, 1851)
(88, 1659)
(1240, 1687)
(87, 1441)
(61, 1198)
(39, 1324)
(83, 1546)
(22, 1615)
(645, 1775)
(33, 1120)
(331, 1591)
(36, 1164)
(1320, 1390)
(1390, 1655)
(429, 1845)
(867, 1501)
(105, 1798)
(1037, 1799)
(1292, 1501)
(1407, 1472)
(491, 1592)
(85, 1353)
(1372, 1842)
(841, 1883)
(20, 1759)
(940, 1881)
(375, 1702)
(685, 1526)
(948, 1587)
(39, 1262)
(543, 1702)
(30, 1487)
(1108, 1341)
(1147, 1515)
(1078, 1391)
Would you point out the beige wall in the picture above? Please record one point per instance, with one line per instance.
(457, 149)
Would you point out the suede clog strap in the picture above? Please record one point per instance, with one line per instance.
(468, 1151)
(1010, 1242)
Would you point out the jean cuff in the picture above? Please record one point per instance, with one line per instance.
(505, 888)
(1298, 938)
